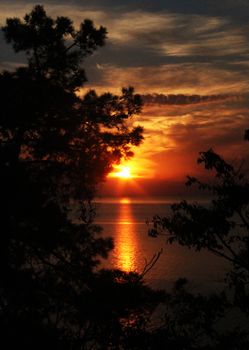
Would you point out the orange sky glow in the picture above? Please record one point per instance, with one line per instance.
(191, 69)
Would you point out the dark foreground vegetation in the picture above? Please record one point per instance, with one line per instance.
(55, 148)
(222, 227)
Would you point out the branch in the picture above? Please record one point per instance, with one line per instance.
(243, 219)
(236, 259)
(70, 47)
(149, 265)
(216, 252)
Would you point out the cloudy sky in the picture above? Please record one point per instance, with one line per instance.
(179, 48)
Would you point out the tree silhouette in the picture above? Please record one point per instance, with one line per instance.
(222, 227)
(54, 48)
(55, 147)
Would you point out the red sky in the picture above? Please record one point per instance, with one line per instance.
(167, 48)
(174, 136)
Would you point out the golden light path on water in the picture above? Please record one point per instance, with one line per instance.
(126, 239)
(124, 219)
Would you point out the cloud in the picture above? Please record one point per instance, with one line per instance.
(189, 60)
(188, 79)
(227, 8)
(179, 34)
(180, 99)
(176, 133)
(158, 52)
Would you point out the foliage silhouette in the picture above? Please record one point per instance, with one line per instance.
(222, 227)
(55, 148)
(44, 41)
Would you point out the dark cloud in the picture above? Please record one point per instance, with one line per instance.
(189, 59)
(181, 99)
(238, 9)
(155, 33)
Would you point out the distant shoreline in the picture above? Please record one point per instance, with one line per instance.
(148, 200)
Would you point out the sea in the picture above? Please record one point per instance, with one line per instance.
(128, 220)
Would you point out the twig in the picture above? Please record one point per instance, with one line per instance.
(149, 265)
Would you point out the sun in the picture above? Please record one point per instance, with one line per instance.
(125, 172)
(122, 172)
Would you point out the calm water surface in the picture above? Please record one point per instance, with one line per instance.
(125, 221)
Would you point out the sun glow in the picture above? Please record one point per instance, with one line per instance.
(125, 201)
(122, 172)
(125, 172)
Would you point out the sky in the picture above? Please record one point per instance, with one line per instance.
(189, 59)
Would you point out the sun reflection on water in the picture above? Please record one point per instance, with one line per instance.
(125, 239)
